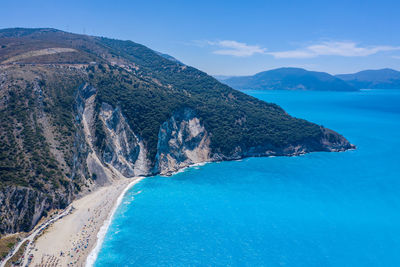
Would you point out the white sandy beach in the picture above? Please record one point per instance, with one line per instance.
(69, 241)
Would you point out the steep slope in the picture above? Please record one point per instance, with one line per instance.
(79, 111)
(41, 149)
(373, 79)
(289, 79)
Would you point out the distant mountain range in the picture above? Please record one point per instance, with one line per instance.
(373, 79)
(301, 79)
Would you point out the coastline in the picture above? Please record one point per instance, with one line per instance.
(76, 238)
(106, 200)
(92, 256)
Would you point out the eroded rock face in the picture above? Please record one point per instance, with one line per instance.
(182, 141)
(334, 142)
(22, 207)
(124, 149)
(84, 100)
(123, 153)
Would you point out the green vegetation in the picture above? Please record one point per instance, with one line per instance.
(233, 118)
(25, 157)
(42, 146)
(150, 87)
(23, 146)
(7, 243)
(16, 259)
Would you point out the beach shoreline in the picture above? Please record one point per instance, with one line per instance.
(92, 256)
(76, 239)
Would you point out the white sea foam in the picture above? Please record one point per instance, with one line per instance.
(194, 166)
(91, 259)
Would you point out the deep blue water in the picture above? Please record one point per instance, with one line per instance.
(320, 209)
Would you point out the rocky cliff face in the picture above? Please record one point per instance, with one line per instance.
(123, 153)
(21, 207)
(123, 148)
(120, 156)
(182, 141)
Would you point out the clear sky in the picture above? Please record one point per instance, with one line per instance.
(234, 37)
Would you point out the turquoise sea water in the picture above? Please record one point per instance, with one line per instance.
(320, 209)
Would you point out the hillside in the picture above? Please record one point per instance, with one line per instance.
(373, 79)
(78, 110)
(289, 79)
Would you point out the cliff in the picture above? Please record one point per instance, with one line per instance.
(79, 112)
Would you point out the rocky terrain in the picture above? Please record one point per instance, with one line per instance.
(77, 109)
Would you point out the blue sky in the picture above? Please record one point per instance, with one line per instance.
(234, 37)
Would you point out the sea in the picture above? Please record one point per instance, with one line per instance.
(319, 209)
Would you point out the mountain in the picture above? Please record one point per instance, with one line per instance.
(222, 77)
(289, 79)
(169, 57)
(373, 79)
(79, 111)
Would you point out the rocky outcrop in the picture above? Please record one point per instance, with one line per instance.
(123, 153)
(21, 208)
(182, 141)
(124, 150)
(334, 142)
(329, 141)
(83, 154)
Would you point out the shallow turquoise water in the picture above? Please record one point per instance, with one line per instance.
(321, 209)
